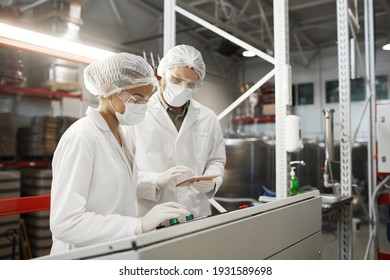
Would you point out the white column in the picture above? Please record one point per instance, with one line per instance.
(282, 93)
(169, 25)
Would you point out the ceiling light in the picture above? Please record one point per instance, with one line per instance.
(386, 47)
(49, 45)
(248, 53)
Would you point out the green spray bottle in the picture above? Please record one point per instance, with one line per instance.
(294, 185)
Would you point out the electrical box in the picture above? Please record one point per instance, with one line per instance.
(383, 137)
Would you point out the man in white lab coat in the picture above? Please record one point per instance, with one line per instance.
(178, 138)
(93, 195)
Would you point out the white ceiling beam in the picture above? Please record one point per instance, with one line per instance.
(231, 29)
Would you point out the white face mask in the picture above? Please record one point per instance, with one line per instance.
(176, 95)
(134, 113)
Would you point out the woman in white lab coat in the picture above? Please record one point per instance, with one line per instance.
(93, 195)
(181, 137)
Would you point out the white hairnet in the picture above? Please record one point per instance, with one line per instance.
(182, 55)
(118, 72)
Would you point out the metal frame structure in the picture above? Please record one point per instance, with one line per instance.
(345, 219)
(344, 18)
(282, 73)
(282, 94)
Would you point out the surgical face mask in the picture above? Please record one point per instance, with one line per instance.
(176, 95)
(134, 113)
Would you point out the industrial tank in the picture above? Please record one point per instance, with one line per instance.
(250, 164)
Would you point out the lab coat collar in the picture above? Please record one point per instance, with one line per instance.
(102, 124)
(98, 118)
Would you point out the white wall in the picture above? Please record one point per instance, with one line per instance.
(324, 67)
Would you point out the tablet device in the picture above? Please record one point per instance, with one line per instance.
(196, 178)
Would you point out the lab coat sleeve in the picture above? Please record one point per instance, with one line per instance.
(217, 158)
(147, 186)
(70, 222)
(147, 181)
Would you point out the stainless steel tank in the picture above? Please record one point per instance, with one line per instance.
(359, 162)
(250, 165)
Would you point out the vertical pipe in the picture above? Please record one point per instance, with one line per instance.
(329, 144)
(370, 92)
(353, 58)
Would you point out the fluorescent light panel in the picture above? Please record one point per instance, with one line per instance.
(386, 47)
(49, 45)
(248, 54)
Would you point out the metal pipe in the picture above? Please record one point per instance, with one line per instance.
(370, 92)
(329, 144)
(353, 58)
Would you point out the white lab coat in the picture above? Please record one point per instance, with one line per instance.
(93, 195)
(158, 146)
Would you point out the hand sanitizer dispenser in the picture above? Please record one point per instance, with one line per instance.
(293, 134)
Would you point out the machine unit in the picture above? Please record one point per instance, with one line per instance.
(383, 136)
(282, 229)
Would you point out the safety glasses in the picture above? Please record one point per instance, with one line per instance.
(176, 79)
(135, 99)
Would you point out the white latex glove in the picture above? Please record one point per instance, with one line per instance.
(204, 186)
(169, 176)
(161, 213)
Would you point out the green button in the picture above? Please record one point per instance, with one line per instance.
(174, 221)
(189, 217)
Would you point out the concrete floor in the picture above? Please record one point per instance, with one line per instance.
(330, 242)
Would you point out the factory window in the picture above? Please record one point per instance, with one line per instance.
(381, 88)
(357, 89)
(306, 94)
(293, 95)
(332, 91)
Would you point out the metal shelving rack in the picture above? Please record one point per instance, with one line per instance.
(35, 92)
(29, 204)
(345, 217)
(21, 205)
(269, 119)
